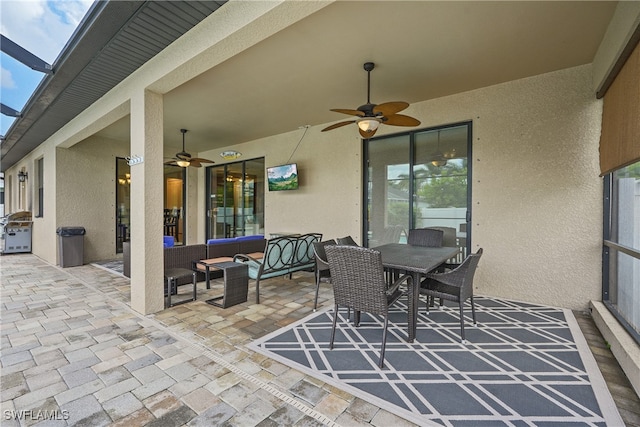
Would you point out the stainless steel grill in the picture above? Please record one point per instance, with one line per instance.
(16, 233)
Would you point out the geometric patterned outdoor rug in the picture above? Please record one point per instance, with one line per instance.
(523, 365)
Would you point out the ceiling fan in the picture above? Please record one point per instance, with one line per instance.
(184, 159)
(371, 115)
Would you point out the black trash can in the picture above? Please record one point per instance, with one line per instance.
(71, 246)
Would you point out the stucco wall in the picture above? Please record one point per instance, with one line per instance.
(43, 243)
(24, 197)
(85, 192)
(537, 197)
(536, 194)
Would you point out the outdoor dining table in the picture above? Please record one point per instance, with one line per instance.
(416, 260)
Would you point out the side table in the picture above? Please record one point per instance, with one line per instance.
(172, 275)
(236, 282)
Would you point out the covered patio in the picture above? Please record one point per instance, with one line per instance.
(526, 80)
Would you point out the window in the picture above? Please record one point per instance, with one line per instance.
(621, 254)
(40, 187)
(416, 180)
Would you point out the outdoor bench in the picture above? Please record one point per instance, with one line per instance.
(282, 255)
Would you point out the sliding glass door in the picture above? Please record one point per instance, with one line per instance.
(174, 212)
(419, 179)
(174, 202)
(123, 206)
(235, 202)
(621, 250)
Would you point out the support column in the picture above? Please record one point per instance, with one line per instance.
(147, 256)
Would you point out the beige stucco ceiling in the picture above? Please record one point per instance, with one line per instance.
(422, 50)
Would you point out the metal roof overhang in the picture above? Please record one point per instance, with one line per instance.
(114, 39)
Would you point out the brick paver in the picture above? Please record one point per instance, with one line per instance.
(73, 348)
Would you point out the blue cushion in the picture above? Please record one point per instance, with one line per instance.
(217, 241)
(252, 237)
(235, 239)
(168, 241)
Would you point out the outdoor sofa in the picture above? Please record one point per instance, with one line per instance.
(184, 256)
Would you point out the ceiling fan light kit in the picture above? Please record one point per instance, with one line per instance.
(368, 125)
(184, 159)
(372, 115)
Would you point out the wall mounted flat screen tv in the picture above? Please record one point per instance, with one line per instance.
(283, 177)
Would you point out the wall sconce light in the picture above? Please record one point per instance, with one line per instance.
(22, 176)
(230, 155)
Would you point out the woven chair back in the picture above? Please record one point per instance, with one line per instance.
(462, 276)
(347, 240)
(321, 254)
(429, 237)
(472, 263)
(449, 238)
(358, 278)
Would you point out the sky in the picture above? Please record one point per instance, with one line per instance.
(41, 27)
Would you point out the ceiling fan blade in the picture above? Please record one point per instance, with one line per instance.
(195, 163)
(350, 112)
(389, 108)
(200, 160)
(366, 134)
(400, 120)
(171, 163)
(337, 125)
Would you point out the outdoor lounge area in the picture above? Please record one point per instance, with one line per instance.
(207, 149)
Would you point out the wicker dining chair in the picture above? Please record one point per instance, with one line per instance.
(347, 240)
(449, 239)
(429, 237)
(358, 283)
(453, 285)
(322, 265)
